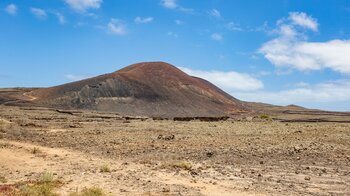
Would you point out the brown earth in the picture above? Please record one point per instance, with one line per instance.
(146, 89)
(248, 156)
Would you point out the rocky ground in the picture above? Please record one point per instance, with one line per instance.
(163, 157)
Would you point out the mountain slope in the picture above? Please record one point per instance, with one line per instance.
(149, 89)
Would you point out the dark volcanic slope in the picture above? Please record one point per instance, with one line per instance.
(150, 89)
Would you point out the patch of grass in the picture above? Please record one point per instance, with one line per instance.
(46, 177)
(183, 165)
(105, 168)
(264, 116)
(35, 150)
(4, 145)
(4, 122)
(38, 189)
(45, 186)
(3, 179)
(5, 125)
(94, 191)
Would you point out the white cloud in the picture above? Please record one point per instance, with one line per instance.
(83, 5)
(291, 48)
(172, 34)
(179, 22)
(215, 13)
(328, 93)
(228, 81)
(324, 95)
(217, 37)
(145, 20)
(11, 9)
(61, 19)
(73, 77)
(170, 4)
(301, 19)
(117, 27)
(39, 13)
(187, 10)
(234, 27)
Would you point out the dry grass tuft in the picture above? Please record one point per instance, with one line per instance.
(45, 186)
(105, 169)
(264, 116)
(94, 191)
(182, 165)
(35, 150)
(3, 179)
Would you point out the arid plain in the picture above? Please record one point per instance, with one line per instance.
(118, 155)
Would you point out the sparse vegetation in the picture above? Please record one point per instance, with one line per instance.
(35, 150)
(200, 155)
(46, 177)
(105, 169)
(4, 145)
(264, 116)
(94, 191)
(43, 187)
(3, 122)
(3, 179)
(183, 165)
(38, 189)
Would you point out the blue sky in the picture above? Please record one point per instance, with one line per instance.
(274, 51)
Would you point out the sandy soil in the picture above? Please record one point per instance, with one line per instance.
(148, 157)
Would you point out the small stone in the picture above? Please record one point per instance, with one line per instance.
(210, 154)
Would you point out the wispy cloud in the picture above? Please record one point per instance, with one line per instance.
(84, 5)
(302, 19)
(11, 9)
(217, 37)
(73, 77)
(117, 27)
(39, 13)
(228, 81)
(291, 48)
(179, 22)
(172, 4)
(214, 13)
(234, 27)
(60, 17)
(140, 20)
(172, 34)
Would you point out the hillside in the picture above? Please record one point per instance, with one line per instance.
(148, 89)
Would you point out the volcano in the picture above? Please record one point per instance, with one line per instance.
(147, 89)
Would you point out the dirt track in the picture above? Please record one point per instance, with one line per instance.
(176, 158)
